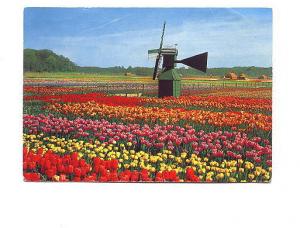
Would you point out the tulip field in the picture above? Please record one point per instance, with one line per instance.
(83, 135)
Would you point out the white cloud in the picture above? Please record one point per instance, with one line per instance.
(111, 21)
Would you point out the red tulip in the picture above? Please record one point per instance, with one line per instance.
(77, 172)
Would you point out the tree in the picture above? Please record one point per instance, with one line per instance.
(46, 60)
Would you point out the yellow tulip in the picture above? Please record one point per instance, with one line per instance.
(241, 170)
(220, 176)
(56, 177)
(251, 176)
(183, 155)
(231, 179)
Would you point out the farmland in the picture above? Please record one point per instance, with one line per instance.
(113, 128)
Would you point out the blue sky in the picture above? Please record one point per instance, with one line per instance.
(121, 36)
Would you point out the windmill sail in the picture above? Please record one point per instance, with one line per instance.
(159, 53)
(198, 62)
(153, 51)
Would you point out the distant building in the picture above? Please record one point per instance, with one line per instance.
(242, 76)
(263, 77)
(129, 74)
(231, 76)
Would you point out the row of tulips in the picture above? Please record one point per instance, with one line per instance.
(192, 102)
(53, 90)
(48, 166)
(42, 89)
(246, 120)
(99, 98)
(151, 139)
(220, 102)
(212, 167)
(260, 92)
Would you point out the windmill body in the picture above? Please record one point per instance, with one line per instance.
(169, 80)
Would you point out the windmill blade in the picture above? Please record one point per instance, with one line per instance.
(153, 51)
(198, 62)
(155, 67)
(152, 54)
(159, 52)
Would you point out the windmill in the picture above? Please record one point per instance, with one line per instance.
(169, 80)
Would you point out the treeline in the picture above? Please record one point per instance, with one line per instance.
(143, 71)
(249, 71)
(48, 61)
